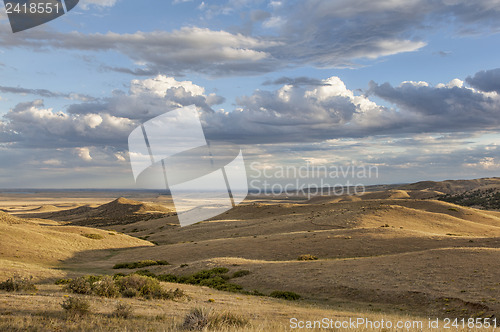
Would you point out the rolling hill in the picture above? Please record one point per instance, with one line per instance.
(390, 250)
(119, 211)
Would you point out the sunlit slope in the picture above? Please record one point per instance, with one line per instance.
(27, 245)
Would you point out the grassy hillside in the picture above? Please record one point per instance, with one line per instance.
(395, 254)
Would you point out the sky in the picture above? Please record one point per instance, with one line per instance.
(410, 87)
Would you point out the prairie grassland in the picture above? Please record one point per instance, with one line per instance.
(42, 311)
(396, 255)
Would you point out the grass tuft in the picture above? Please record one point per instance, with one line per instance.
(200, 319)
(18, 284)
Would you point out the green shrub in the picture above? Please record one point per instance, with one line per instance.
(123, 310)
(63, 281)
(256, 292)
(17, 284)
(81, 285)
(106, 287)
(291, 296)
(198, 277)
(133, 285)
(240, 273)
(145, 286)
(228, 287)
(482, 198)
(215, 278)
(307, 258)
(93, 236)
(76, 306)
(146, 273)
(139, 264)
(219, 270)
(130, 292)
(167, 278)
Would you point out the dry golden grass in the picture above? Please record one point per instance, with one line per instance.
(36, 247)
(385, 255)
(42, 312)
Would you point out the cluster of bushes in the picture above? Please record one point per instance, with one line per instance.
(140, 264)
(216, 278)
(146, 284)
(133, 285)
(18, 284)
(487, 199)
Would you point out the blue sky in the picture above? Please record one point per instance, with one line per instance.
(412, 87)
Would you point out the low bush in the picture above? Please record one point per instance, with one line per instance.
(147, 287)
(216, 278)
(134, 285)
(63, 281)
(18, 284)
(93, 236)
(290, 296)
(240, 273)
(198, 277)
(256, 292)
(76, 306)
(146, 273)
(167, 277)
(139, 264)
(123, 310)
(81, 285)
(130, 292)
(307, 258)
(106, 287)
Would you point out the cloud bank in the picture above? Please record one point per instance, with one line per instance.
(291, 113)
(319, 33)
